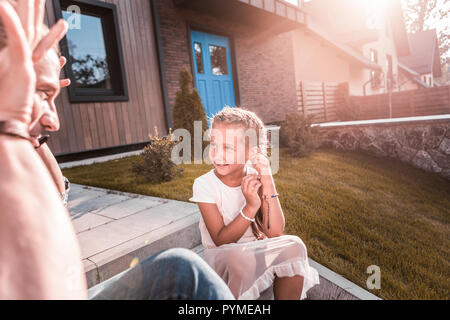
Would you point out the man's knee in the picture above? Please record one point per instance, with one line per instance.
(184, 272)
(177, 257)
(176, 264)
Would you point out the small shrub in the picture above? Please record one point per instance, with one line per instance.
(156, 165)
(188, 108)
(298, 135)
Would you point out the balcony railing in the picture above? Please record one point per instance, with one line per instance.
(283, 9)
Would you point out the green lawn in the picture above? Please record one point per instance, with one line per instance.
(351, 210)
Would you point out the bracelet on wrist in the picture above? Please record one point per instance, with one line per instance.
(245, 217)
(270, 196)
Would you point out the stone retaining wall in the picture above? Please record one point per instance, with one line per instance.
(424, 144)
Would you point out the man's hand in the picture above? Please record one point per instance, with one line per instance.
(63, 82)
(17, 75)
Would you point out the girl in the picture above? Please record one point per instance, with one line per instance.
(242, 221)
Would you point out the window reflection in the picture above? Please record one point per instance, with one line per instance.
(219, 63)
(198, 57)
(88, 53)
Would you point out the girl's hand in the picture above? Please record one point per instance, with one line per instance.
(261, 163)
(250, 186)
(17, 75)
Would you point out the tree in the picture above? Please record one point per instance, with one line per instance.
(89, 71)
(421, 15)
(188, 108)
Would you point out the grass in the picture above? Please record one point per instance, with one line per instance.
(351, 210)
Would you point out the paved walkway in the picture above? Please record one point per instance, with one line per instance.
(116, 228)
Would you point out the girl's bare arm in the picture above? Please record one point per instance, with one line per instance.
(271, 209)
(220, 233)
(231, 233)
(273, 216)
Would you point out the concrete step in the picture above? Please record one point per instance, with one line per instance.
(332, 285)
(116, 228)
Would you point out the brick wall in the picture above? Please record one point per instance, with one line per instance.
(264, 61)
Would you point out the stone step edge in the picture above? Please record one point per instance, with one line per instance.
(124, 193)
(332, 285)
(89, 161)
(183, 233)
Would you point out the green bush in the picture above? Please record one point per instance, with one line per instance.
(155, 163)
(297, 134)
(188, 108)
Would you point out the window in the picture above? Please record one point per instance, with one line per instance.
(199, 57)
(219, 62)
(93, 50)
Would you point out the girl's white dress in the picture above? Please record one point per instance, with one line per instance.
(250, 265)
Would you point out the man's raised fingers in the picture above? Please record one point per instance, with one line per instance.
(17, 40)
(64, 83)
(39, 10)
(62, 61)
(55, 34)
(25, 11)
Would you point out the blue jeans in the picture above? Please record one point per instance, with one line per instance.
(170, 274)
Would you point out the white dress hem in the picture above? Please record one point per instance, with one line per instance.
(291, 269)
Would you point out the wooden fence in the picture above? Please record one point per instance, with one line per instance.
(321, 99)
(331, 102)
(411, 103)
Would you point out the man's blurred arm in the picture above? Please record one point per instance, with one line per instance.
(39, 253)
(52, 165)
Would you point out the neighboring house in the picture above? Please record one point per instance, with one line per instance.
(423, 65)
(239, 51)
(445, 77)
(349, 41)
(115, 98)
(409, 79)
(125, 57)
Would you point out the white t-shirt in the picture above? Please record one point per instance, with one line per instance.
(208, 188)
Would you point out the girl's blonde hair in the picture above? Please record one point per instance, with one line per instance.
(245, 119)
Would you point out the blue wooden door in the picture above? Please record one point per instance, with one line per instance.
(213, 71)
